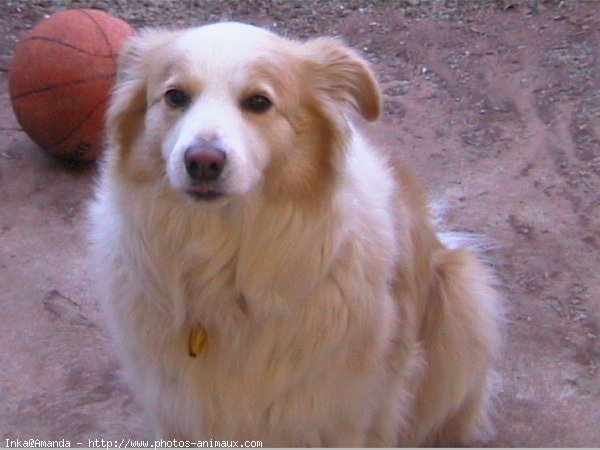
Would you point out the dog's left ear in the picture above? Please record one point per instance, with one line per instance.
(343, 75)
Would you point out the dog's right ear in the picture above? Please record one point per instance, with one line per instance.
(128, 103)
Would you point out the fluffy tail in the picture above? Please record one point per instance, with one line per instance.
(460, 336)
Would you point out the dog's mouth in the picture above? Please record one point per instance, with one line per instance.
(205, 196)
(204, 193)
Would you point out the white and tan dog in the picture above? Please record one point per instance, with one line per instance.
(267, 274)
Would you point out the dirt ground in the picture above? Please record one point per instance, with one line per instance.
(495, 104)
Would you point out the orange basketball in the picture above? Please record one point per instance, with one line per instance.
(60, 80)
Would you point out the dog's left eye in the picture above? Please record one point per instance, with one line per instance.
(176, 98)
(257, 104)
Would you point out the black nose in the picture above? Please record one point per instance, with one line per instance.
(204, 161)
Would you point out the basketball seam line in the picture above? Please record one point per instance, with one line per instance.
(56, 86)
(101, 30)
(65, 44)
(76, 127)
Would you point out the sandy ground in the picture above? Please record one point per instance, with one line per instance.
(495, 104)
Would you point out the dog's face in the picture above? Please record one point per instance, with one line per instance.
(228, 109)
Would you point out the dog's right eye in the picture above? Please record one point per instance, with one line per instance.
(176, 98)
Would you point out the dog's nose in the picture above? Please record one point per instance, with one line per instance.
(204, 161)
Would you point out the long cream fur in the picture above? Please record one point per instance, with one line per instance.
(334, 316)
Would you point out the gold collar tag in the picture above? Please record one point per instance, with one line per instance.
(196, 340)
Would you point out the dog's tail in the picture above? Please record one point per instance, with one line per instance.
(461, 338)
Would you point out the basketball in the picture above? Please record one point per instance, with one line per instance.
(60, 80)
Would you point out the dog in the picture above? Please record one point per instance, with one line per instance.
(267, 273)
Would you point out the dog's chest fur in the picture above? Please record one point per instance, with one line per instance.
(254, 277)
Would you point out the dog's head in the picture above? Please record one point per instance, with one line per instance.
(228, 109)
